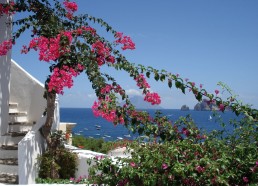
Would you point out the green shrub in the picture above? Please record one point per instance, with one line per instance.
(97, 145)
(61, 181)
(191, 157)
(57, 162)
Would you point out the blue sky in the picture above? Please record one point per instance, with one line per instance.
(205, 41)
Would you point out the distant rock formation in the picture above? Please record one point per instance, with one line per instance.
(184, 108)
(204, 106)
(139, 103)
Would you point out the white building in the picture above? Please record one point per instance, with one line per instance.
(21, 108)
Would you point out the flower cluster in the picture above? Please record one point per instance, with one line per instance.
(102, 52)
(117, 89)
(141, 81)
(5, 47)
(199, 169)
(101, 108)
(152, 98)
(80, 180)
(185, 131)
(125, 41)
(89, 29)
(63, 78)
(51, 48)
(7, 8)
(71, 7)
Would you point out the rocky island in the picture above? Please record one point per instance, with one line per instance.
(204, 106)
(184, 108)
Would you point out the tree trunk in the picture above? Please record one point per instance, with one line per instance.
(46, 129)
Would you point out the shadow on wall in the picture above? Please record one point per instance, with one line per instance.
(5, 34)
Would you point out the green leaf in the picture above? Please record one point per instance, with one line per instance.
(169, 83)
(162, 77)
(178, 84)
(199, 96)
(182, 88)
(156, 77)
(148, 74)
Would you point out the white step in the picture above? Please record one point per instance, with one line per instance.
(9, 140)
(13, 104)
(8, 153)
(18, 117)
(13, 107)
(13, 110)
(17, 128)
(8, 179)
(8, 169)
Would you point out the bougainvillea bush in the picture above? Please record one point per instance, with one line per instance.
(191, 157)
(72, 46)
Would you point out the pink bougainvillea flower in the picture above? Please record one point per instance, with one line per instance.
(199, 169)
(89, 29)
(50, 48)
(193, 84)
(24, 49)
(119, 35)
(70, 6)
(63, 77)
(7, 9)
(185, 131)
(152, 98)
(221, 107)
(126, 41)
(69, 15)
(216, 92)
(132, 164)
(100, 157)
(102, 52)
(164, 166)
(5, 47)
(141, 81)
(101, 108)
(245, 179)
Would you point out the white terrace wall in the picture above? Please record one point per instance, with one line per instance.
(5, 34)
(27, 92)
(29, 148)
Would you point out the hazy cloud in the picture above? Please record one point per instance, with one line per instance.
(92, 96)
(133, 92)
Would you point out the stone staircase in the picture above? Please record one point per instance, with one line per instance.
(18, 127)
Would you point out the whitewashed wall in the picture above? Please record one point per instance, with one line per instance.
(83, 157)
(5, 34)
(27, 92)
(29, 148)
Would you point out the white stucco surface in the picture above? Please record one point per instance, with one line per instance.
(5, 34)
(27, 92)
(28, 150)
(83, 157)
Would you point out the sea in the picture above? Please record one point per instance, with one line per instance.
(89, 126)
